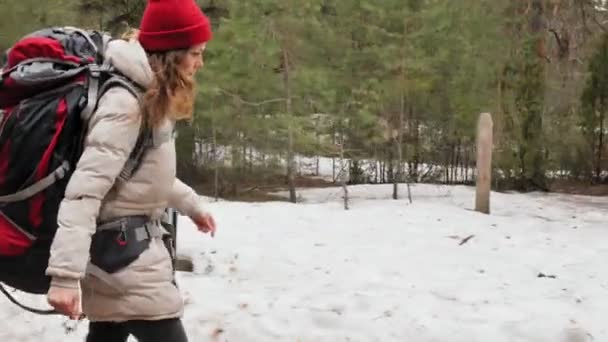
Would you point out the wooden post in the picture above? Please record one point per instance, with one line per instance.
(484, 163)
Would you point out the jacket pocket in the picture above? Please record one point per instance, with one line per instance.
(113, 250)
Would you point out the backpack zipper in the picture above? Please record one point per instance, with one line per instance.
(3, 113)
(4, 116)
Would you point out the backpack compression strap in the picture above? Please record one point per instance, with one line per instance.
(39, 186)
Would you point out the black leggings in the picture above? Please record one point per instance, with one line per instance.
(169, 330)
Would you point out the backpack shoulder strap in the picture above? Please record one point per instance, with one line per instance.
(144, 139)
(116, 80)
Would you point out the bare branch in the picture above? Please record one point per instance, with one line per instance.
(581, 4)
(249, 103)
(465, 240)
(597, 22)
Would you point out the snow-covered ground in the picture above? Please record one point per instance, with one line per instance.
(534, 271)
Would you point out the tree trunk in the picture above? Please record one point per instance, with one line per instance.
(452, 161)
(600, 147)
(318, 139)
(333, 158)
(343, 176)
(216, 166)
(349, 167)
(290, 151)
(333, 169)
(399, 149)
(251, 159)
(244, 154)
(376, 164)
(449, 162)
(466, 165)
(413, 134)
(463, 161)
(446, 167)
(458, 162)
(390, 170)
(417, 158)
(399, 141)
(234, 160)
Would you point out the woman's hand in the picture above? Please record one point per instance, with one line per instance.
(66, 301)
(205, 223)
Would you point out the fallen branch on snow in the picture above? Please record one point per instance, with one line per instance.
(465, 240)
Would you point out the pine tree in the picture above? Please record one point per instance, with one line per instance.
(594, 101)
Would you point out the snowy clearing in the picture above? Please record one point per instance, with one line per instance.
(387, 270)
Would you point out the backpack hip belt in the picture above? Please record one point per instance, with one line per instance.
(118, 243)
(144, 227)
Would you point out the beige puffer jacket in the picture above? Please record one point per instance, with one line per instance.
(144, 290)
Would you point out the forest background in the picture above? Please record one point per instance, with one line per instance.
(384, 91)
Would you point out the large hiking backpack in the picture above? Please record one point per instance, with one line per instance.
(49, 88)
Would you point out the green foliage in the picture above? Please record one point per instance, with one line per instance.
(24, 16)
(370, 76)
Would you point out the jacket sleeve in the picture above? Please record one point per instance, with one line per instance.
(113, 131)
(185, 200)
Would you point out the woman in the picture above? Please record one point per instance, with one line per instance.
(139, 298)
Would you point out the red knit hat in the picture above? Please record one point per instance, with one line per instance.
(173, 24)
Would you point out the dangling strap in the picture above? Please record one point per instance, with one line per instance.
(25, 307)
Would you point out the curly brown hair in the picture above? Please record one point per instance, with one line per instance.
(171, 93)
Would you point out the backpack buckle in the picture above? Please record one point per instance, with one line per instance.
(121, 238)
(95, 70)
